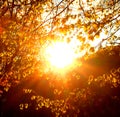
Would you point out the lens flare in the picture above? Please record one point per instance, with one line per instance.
(61, 54)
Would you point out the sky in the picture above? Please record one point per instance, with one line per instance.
(57, 1)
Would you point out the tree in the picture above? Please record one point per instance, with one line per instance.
(28, 26)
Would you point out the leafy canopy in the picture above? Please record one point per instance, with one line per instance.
(27, 27)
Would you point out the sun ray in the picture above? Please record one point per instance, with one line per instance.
(62, 55)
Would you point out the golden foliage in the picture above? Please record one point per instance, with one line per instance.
(27, 29)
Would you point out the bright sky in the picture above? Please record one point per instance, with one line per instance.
(57, 1)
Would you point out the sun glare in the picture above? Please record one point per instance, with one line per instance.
(60, 54)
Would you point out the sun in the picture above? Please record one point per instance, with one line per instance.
(60, 54)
